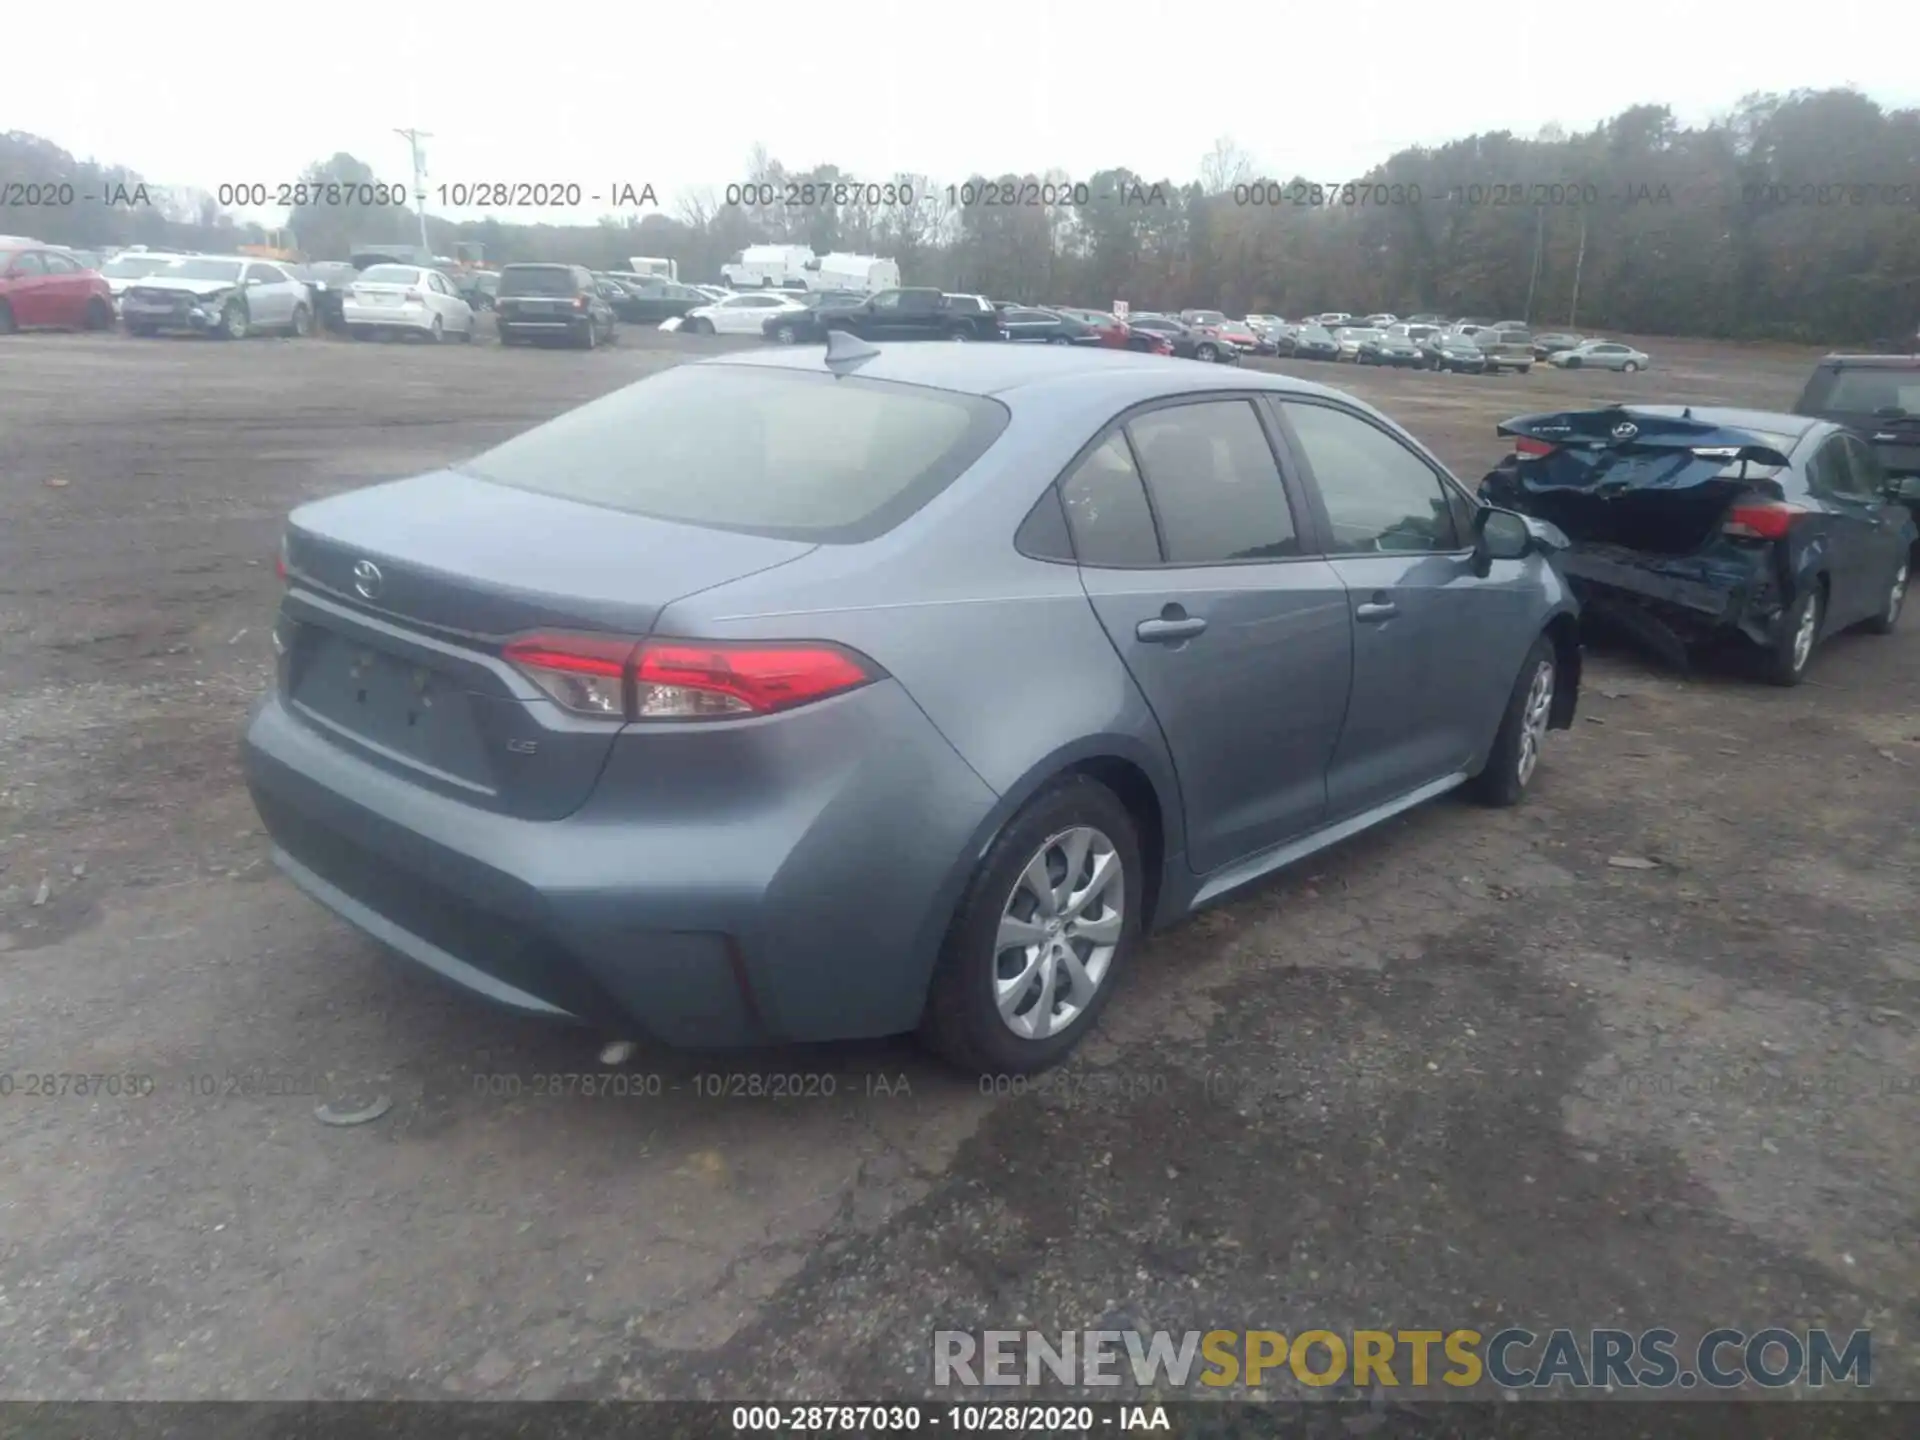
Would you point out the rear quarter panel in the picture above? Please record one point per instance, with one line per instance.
(1003, 653)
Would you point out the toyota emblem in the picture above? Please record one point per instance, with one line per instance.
(1625, 430)
(367, 579)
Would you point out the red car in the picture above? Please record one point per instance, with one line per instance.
(44, 288)
(1114, 332)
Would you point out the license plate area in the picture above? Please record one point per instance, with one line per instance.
(395, 705)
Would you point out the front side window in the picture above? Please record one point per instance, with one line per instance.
(1380, 496)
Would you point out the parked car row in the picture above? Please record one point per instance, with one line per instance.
(1430, 343)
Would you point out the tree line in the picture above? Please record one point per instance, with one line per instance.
(1795, 217)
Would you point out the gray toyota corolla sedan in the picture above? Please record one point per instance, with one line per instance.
(796, 696)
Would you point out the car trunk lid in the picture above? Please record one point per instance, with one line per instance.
(1633, 481)
(402, 596)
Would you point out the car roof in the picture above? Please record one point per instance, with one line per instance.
(1006, 370)
(1874, 362)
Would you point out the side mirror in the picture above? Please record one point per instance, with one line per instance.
(1499, 535)
(1906, 487)
(254, 280)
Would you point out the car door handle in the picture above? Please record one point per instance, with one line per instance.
(1375, 611)
(1169, 629)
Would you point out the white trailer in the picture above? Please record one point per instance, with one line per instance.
(653, 265)
(864, 273)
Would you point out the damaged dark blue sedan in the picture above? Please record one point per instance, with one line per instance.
(1694, 524)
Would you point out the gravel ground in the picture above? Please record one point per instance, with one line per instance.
(1462, 1071)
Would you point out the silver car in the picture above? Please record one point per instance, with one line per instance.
(229, 297)
(1600, 355)
(809, 694)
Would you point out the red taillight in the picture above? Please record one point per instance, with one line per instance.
(1762, 520)
(691, 679)
(579, 302)
(1163, 347)
(623, 679)
(280, 561)
(1526, 446)
(586, 674)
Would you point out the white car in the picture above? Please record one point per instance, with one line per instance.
(738, 314)
(231, 297)
(129, 266)
(395, 299)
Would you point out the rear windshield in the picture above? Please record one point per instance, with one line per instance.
(390, 275)
(206, 270)
(793, 454)
(1863, 391)
(129, 267)
(537, 280)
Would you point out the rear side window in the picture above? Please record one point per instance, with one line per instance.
(1380, 496)
(1215, 486)
(757, 449)
(536, 280)
(1863, 391)
(1107, 509)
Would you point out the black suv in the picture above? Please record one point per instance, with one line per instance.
(917, 314)
(1878, 398)
(552, 302)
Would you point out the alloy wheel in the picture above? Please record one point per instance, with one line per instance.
(1058, 933)
(1535, 716)
(1804, 633)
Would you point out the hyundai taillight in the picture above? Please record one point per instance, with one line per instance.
(1761, 520)
(618, 678)
(1526, 445)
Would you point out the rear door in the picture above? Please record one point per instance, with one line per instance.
(1435, 647)
(1862, 533)
(1191, 550)
(1029, 325)
(921, 315)
(67, 290)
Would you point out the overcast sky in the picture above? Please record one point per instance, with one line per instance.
(601, 95)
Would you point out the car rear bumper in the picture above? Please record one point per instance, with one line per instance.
(373, 318)
(1688, 598)
(801, 892)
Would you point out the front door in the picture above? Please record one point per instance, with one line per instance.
(1237, 635)
(1436, 649)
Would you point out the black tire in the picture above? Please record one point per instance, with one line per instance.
(466, 335)
(1889, 613)
(785, 335)
(1508, 772)
(142, 332)
(962, 1022)
(99, 315)
(7, 325)
(589, 338)
(1782, 663)
(507, 337)
(1630, 367)
(1526, 369)
(1572, 364)
(437, 332)
(1058, 340)
(1205, 353)
(702, 327)
(959, 334)
(233, 321)
(613, 334)
(302, 323)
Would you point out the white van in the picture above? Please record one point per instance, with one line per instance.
(864, 273)
(761, 266)
(653, 265)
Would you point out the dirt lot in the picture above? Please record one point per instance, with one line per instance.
(1463, 1071)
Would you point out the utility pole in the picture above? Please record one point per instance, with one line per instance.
(413, 139)
(1539, 237)
(1573, 309)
